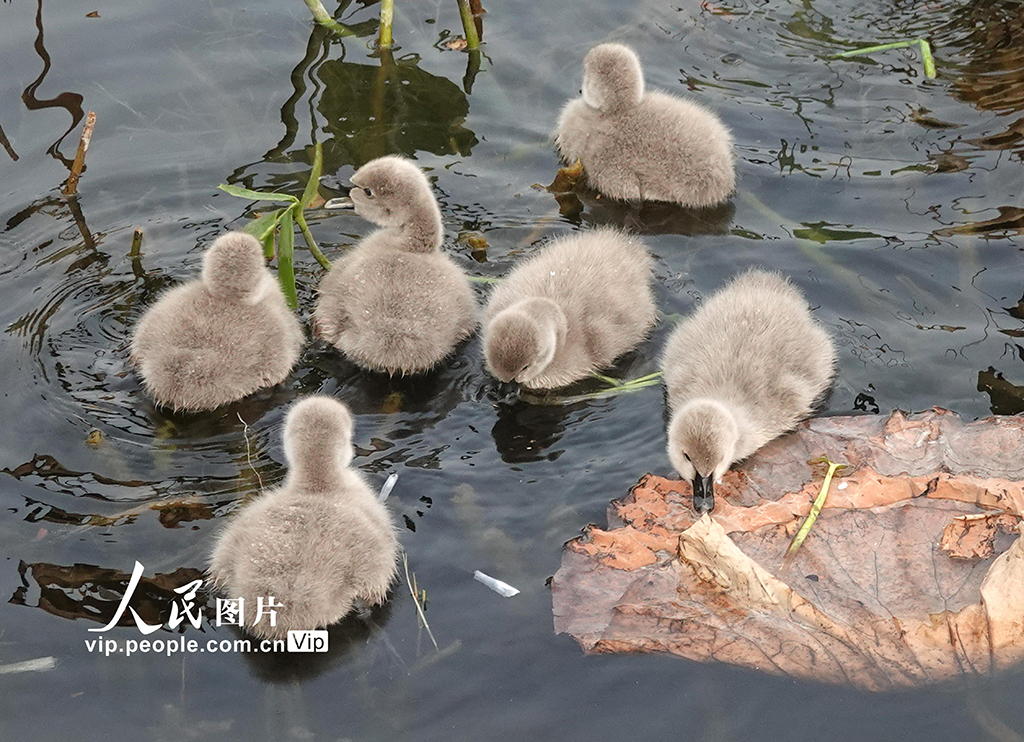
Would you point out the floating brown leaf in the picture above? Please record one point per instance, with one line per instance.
(567, 178)
(871, 599)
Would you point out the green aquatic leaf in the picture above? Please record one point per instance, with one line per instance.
(257, 195)
(310, 194)
(819, 232)
(286, 259)
(264, 228)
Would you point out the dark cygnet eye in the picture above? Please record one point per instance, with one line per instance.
(369, 192)
(687, 456)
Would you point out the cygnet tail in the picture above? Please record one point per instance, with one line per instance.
(185, 379)
(395, 348)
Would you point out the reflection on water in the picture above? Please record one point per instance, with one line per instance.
(525, 432)
(395, 108)
(94, 593)
(646, 218)
(1007, 398)
(71, 102)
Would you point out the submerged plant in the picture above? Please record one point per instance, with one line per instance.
(469, 12)
(280, 224)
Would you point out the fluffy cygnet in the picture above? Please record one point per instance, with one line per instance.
(579, 304)
(740, 371)
(643, 146)
(318, 544)
(220, 337)
(395, 302)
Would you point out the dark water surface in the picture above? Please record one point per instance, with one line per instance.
(893, 201)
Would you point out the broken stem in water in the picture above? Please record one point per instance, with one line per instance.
(416, 599)
(468, 25)
(71, 184)
(325, 19)
(136, 250)
(387, 15)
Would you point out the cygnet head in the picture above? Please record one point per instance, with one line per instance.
(702, 439)
(318, 440)
(521, 341)
(391, 191)
(612, 78)
(233, 267)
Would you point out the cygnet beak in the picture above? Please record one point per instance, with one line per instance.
(508, 392)
(704, 493)
(342, 202)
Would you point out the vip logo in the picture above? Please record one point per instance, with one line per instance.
(307, 641)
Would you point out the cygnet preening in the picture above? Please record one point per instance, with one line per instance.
(395, 302)
(220, 337)
(575, 307)
(643, 146)
(321, 543)
(741, 370)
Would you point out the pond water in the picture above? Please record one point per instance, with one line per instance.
(894, 202)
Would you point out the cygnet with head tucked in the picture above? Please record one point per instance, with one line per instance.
(221, 337)
(574, 308)
(395, 302)
(321, 544)
(643, 146)
(741, 370)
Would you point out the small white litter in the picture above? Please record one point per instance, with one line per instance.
(36, 665)
(501, 588)
(389, 484)
(842, 485)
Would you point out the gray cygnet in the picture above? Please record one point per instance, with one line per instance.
(395, 302)
(221, 337)
(741, 370)
(643, 146)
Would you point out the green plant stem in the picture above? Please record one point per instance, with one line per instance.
(819, 503)
(387, 15)
(468, 25)
(321, 16)
(926, 53)
(872, 49)
(928, 59)
(310, 243)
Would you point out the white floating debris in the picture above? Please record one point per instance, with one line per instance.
(36, 665)
(344, 202)
(389, 484)
(501, 588)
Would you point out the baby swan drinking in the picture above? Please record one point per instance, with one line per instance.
(575, 307)
(740, 371)
(320, 543)
(220, 337)
(395, 302)
(643, 146)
